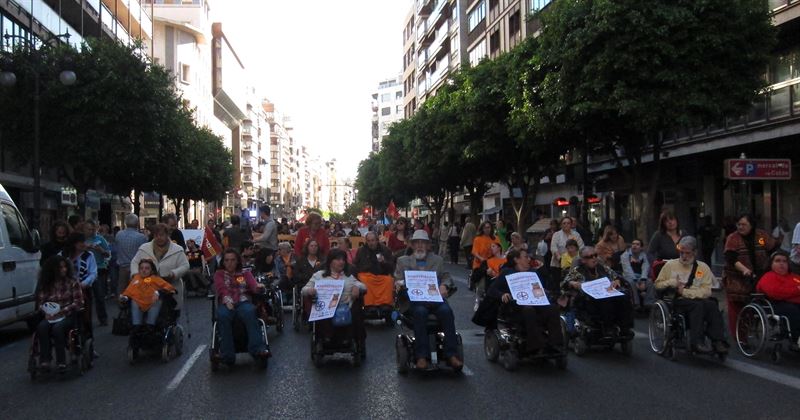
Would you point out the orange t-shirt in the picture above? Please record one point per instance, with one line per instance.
(143, 290)
(495, 263)
(481, 246)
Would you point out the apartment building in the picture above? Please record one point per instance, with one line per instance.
(387, 107)
(440, 41)
(409, 64)
(125, 20)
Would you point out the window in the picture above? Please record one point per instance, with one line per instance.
(275, 169)
(514, 24)
(185, 73)
(398, 94)
(18, 234)
(478, 53)
(476, 16)
(537, 5)
(494, 42)
(398, 109)
(493, 4)
(274, 155)
(386, 111)
(386, 97)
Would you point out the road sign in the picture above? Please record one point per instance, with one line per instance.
(758, 169)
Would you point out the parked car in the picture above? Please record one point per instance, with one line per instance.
(19, 256)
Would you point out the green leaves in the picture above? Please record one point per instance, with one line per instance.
(122, 124)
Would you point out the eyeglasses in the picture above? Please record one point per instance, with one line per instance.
(589, 256)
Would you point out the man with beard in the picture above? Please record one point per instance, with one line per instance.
(424, 260)
(692, 281)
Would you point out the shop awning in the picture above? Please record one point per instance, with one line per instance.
(540, 226)
(491, 211)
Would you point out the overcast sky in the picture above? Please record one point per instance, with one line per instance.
(319, 61)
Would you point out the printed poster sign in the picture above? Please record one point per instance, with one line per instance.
(329, 293)
(423, 286)
(526, 288)
(600, 289)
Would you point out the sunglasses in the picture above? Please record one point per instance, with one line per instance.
(589, 256)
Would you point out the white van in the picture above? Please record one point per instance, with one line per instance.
(19, 256)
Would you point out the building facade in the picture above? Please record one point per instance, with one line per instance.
(387, 107)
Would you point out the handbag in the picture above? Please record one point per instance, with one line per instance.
(122, 323)
(342, 317)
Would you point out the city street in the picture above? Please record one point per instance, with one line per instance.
(602, 384)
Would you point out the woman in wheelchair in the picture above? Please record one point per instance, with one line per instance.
(782, 288)
(336, 268)
(542, 323)
(233, 288)
(691, 279)
(143, 291)
(60, 294)
(610, 312)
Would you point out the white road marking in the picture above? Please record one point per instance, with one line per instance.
(186, 367)
(467, 371)
(763, 373)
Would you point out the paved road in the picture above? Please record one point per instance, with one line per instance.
(603, 384)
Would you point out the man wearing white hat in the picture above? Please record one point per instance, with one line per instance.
(424, 260)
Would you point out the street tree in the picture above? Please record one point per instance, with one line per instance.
(622, 73)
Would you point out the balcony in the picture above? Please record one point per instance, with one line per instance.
(247, 179)
(424, 7)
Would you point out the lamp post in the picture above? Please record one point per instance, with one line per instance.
(9, 78)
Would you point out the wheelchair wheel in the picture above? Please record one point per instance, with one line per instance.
(491, 345)
(658, 327)
(626, 347)
(459, 348)
(165, 353)
(751, 330)
(580, 346)
(510, 360)
(402, 355)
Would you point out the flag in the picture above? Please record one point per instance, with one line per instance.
(211, 247)
(391, 211)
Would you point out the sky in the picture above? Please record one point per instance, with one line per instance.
(319, 61)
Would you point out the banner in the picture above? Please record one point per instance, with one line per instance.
(423, 286)
(526, 289)
(211, 247)
(391, 211)
(600, 289)
(329, 293)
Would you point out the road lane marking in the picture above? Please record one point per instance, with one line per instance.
(763, 373)
(186, 367)
(466, 371)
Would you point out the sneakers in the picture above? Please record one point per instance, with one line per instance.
(454, 363)
(721, 347)
(422, 363)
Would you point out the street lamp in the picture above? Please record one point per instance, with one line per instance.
(9, 78)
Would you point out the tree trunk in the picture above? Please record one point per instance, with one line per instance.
(186, 211)
(476, 202)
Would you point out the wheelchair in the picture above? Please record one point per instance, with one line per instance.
(239, 333)
(757, 324)
(342, 342)
(588, 332)
(506, 341)
(299, 319)
(404, 342)
(79, 351)
(167, 337)
(668, 329)
(270, 303)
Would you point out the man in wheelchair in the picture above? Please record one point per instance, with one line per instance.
(542, 324)
(691, 280)
(424, 260)
(610, 312)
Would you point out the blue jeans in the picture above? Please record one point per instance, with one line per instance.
(445, 316)
(152, 313)
(246, 312)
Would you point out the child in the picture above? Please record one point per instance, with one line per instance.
(568, 257)
(143, 290)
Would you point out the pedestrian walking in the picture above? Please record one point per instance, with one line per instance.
(127, 243)
(467, 237)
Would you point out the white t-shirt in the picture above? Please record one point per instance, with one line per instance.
(786, 244)
(795, 242)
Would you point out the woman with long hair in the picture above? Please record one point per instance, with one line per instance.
(57, 289)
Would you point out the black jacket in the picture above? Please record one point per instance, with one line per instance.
(366, 260)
